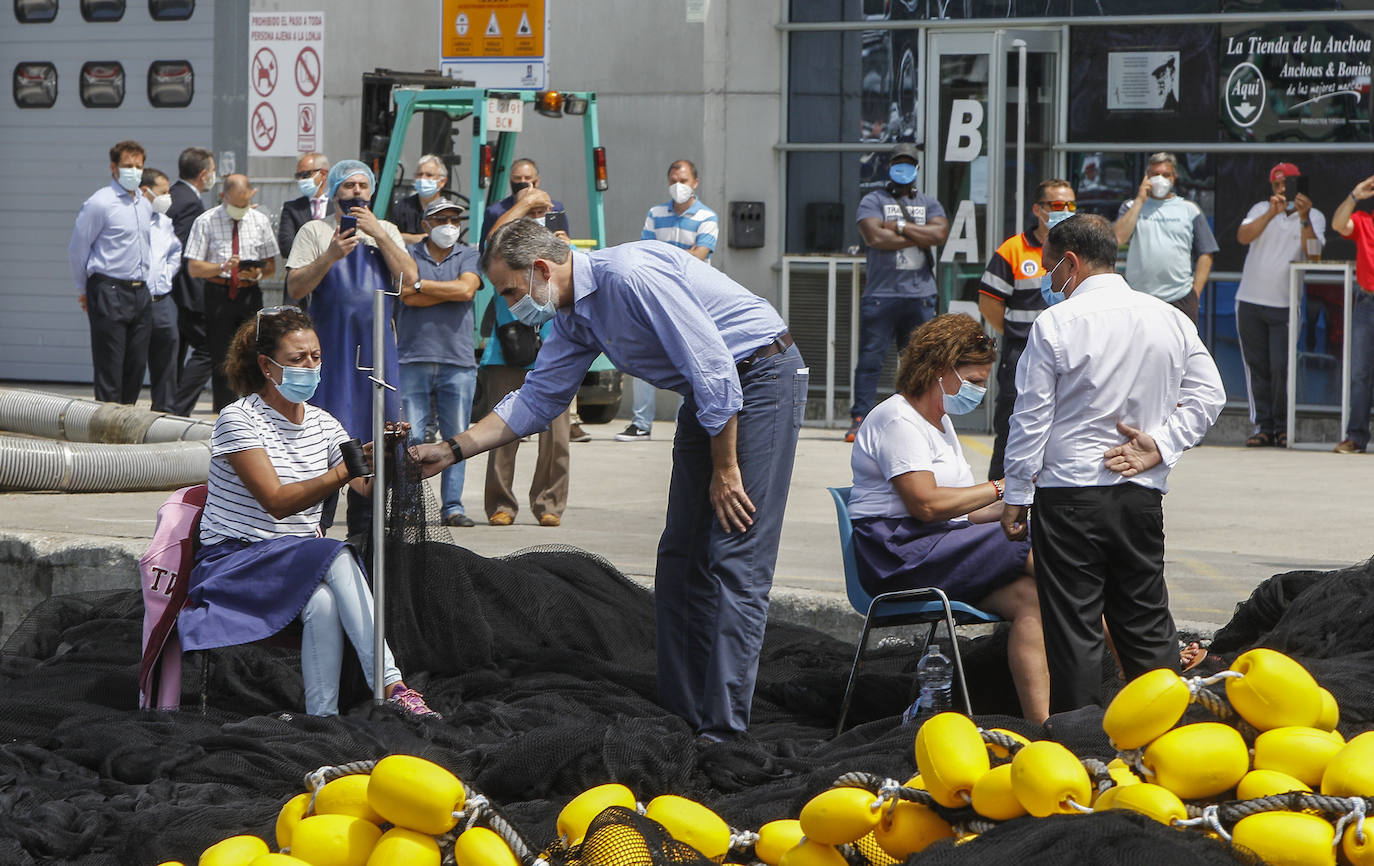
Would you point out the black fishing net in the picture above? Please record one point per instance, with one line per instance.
(543, 666)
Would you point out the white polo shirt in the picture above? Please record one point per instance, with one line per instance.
(1264, 279)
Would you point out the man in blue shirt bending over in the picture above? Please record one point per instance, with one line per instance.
(667, 317)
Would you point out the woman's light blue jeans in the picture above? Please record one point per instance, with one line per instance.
(341, 605)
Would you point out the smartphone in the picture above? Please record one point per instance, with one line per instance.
(251, 263)
(1294, 185)
(556, 221)
(347, 223)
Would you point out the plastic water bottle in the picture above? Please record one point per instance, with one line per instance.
(935, 682)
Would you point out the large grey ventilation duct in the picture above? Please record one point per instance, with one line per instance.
(53, 416)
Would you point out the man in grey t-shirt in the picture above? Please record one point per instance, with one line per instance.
(1171, 243)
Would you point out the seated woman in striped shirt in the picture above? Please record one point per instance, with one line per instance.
(262, 561)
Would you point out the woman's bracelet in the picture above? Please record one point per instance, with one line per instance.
(999, 486)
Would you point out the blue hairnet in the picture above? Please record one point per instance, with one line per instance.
(342, 171)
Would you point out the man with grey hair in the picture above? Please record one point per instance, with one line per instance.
(312, 204)
(664, 315)
(1171, 244)
(431, 178)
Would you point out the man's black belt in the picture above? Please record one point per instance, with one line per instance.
(128, 284)
(781, 343)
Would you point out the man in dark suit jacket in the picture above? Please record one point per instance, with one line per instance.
(196, 174)
(311, 171)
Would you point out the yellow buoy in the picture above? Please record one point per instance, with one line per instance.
(401, 847)
(334, 840)
(1152, 801)
(690, 822)
(416, 794)
(289, 816)
(839, 816)
(909, 828)
(999, 751)
(347, 796)
(573, 820)
(1267, 783)
(1149, 705)
(950, 755)
(1287, 838)
(993, 797)
(810, 853)
(1045, 776)
(1302, 753)
(1351, 772)
(234, 851)
(479, 846)
(1330, 714)
(873, 853)
(1197, 761)
(615, 845)
(1121, 773)
(1102, 800)
(279, 860)
(1358, 852)
(915, 782)
(1274, 692)
(776, 838)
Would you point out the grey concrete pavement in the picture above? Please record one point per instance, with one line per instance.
(1234, 517)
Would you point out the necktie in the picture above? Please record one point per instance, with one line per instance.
(234, 274)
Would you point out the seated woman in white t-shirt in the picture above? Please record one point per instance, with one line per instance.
(262, 562)
(919, 517)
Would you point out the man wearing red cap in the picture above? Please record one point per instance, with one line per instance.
(1278, 232)
(1357, 224)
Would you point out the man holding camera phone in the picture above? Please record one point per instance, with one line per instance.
(1281, 229)
(231, 247)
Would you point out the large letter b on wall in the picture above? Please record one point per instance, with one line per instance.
(965, 140)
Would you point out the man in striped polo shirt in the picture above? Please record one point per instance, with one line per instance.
(687, 224)
(1009, 299)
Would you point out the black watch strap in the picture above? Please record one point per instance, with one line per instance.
(457, 451)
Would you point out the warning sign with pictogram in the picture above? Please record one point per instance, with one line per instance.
(286, 74)
(497, 43)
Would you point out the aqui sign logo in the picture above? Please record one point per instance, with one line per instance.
(1245, 94)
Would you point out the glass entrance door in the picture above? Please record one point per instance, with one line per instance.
(985, 143)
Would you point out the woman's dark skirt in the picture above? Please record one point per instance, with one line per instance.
(966, 560)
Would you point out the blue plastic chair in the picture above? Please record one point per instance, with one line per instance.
(904, 607)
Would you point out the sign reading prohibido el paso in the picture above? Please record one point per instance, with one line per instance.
(1296, 82)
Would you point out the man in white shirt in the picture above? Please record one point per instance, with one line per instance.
(1278, 231)
(164, 260)
(1104, 364)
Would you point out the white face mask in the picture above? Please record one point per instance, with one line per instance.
(680, 193)
(162, 203)
(539, 219)
(1160, 186)
(444, 236)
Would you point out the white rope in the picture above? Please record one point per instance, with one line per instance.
(1196, 683)
(315, 781)
(741, 839)
(888, 794)
(1211, 817)
(473, 808)
(1072, 804)
(1356, 814)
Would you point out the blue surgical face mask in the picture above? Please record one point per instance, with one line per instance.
(967, 398)
(130, 178)
(531, 313)
(307, 186)
(298, 384)
(1047, 286)
(902, 172)
(426, 186)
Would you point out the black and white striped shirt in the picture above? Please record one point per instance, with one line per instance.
(297, 451)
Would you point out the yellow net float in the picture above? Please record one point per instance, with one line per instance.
(1266, 783)
(874, 853)
(909, 828)
(1102, 800)
(416, 794)
(1331, 713)
(1350, 772)
(573, 820)
(1145, 708)
(1152, 801)
(1287, 838)
(234, 851)
(1359, 851)
(479, 846)
(1198, 761)
(1274, 691)
(280, 860)
(993, 797)
(839, 816)
(616, 845)
(401, 847)
(776, 838)
(811, 853)
(1000, 751)
(1302, 753)
(951, 756)
(690, 822)
(1121, 772)
(290, 815)
(347, 795)
(334, 840)
(1046, 777)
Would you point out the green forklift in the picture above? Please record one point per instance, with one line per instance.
(391, 100)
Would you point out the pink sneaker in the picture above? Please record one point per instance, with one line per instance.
(411, 701)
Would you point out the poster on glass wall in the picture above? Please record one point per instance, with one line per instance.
(1142, 80)
(1295, 82)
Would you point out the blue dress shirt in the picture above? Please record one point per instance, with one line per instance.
(111, 236)
(166, 256)
(659, 314)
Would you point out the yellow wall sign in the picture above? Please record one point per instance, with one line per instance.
(494, 28)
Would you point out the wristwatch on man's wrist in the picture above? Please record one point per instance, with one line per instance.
(901, 225)
(416, 287)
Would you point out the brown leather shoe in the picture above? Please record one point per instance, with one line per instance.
(1348, 446)
(501, 518)
(550, 520)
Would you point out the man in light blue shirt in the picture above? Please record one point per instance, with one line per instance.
(109, 255)
(665, 316)
(687, 224)
(165, 260)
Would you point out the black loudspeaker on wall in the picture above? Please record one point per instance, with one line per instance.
(746, 224)
(824, 224)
